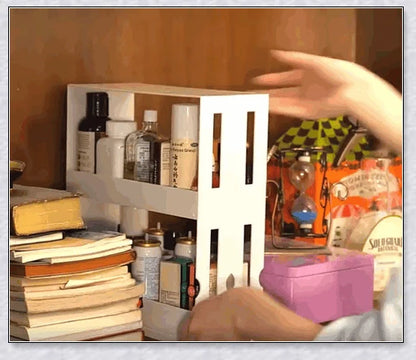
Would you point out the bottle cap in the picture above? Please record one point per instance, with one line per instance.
(150, 116)
(305, 158)
(185, 121)
(120, 129)
(97, 104)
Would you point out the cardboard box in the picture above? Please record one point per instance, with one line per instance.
(174, 282)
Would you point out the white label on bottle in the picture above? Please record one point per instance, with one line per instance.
(367, 184)
(165, 163)
(339, 230)
(86, 151)
(142, 161)
(385, 243)
(147, 269)
(183, 166)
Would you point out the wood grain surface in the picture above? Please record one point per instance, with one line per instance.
(198, 47)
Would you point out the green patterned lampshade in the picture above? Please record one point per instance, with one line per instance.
(327, 133)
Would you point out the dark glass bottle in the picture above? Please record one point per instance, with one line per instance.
(91, 129)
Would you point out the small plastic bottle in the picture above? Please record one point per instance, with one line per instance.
(110, 150)
(91, 129)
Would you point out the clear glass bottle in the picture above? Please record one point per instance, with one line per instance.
(140, 145)
(379, 230)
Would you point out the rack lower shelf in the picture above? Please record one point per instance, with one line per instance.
(162, 321)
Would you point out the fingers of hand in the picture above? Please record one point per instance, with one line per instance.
(287, 106)
(184, 329)
(290, 92)
(286, 78)
(296, 59)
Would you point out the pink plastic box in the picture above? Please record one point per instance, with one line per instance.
(321, 287)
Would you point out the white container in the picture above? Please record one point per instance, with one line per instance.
(110, 150)
(186, 247)
(133, 221)
(184, 145)
(146, 267)
(156, 233)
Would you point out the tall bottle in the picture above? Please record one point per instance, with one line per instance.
(92, 128)
(184, 145)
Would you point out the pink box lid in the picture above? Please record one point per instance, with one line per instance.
(291, 265)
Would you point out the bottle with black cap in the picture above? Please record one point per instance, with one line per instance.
(92, 128)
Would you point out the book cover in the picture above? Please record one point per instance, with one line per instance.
(78, 243)
(135, 335)
(56, 317)
(118, 248)
(99, 333)
(74, 239)
(174, 282)
(15, 241)
(37, 210)
(184, 279)
(73, 330)
(170, 283)
(38, 269)
(87, 276)
(124, 282)
(193, 286)
(77, 302)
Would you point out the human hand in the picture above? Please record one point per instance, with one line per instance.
(316, 87)
(244, 314)
(320, 87)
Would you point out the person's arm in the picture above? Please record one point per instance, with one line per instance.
(320, 87)
(379, 107)
(385, 324)
(244, 314)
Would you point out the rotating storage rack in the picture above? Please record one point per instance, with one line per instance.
(227, 208)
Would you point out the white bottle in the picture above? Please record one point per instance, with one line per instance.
(133, 221)
(184, 145)
(110, 150)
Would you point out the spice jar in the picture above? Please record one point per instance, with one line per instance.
(186, 247)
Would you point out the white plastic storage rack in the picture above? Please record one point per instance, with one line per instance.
(227, 208)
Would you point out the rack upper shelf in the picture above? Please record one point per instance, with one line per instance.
(163, 90)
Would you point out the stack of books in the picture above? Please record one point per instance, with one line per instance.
(68, 285)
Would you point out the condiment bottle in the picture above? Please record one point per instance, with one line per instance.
(110, 149)
(184, 145)
(186, 247)
(91, 129)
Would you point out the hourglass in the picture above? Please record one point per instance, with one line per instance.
(302, 176)
(295, 219)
